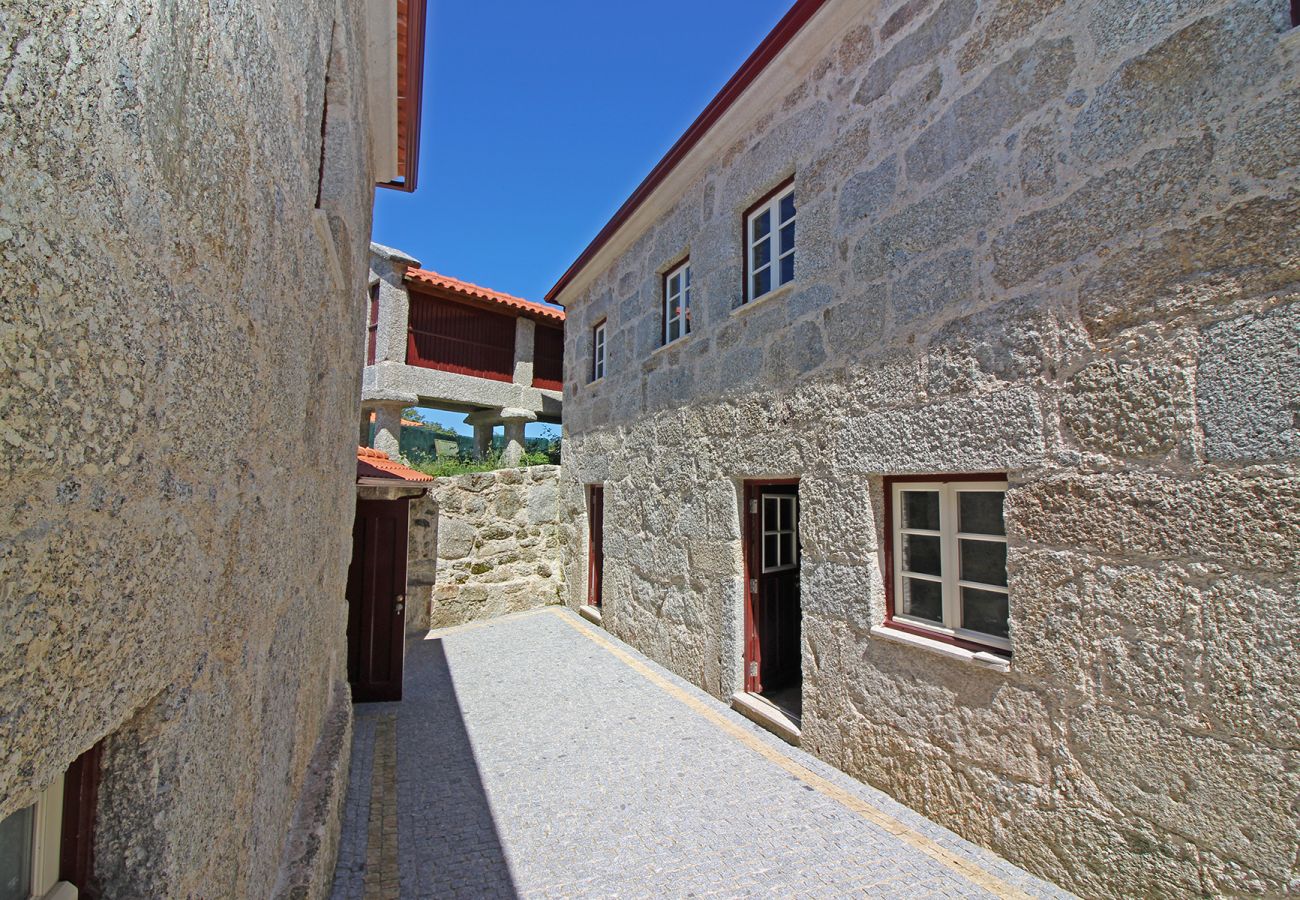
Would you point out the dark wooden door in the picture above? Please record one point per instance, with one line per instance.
(772, 610)
(377, 600)
(595, 543)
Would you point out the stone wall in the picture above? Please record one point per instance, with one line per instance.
(179, 408)
(1057, 240)
(484, 545)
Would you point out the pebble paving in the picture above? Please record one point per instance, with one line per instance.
(538, 757)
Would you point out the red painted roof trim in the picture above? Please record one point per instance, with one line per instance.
(474, 292)
(410, 95)
(771, 46)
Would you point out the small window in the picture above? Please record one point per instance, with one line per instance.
(948, 551)
(677, 303)
(780, 532)
(29, 846)
(598, 352)
(769, 243)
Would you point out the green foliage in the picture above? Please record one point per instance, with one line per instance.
(464, 465)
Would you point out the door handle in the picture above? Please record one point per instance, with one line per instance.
(399, 605)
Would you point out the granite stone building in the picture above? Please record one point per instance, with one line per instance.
(936, 399)
(185, 206)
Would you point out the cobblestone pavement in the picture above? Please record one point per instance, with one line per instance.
(536, 756)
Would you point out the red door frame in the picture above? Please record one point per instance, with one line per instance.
(595, 544)
(377, 624)
(753, 523)
(80, 806)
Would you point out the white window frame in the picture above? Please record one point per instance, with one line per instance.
(949, 555)
(598, 350)
(772, 206)
(787, 539)
(681, 272)
(47, 833)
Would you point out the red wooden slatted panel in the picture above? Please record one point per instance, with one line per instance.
(455, 337)
(373, 326)
(548, 358)
(596, 545)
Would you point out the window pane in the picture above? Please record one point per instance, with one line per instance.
(787, 238)
(688, 277)
(787, 207)
(787, 514)
(984, 561)
(788, 553)
(762, 225)
(762, 253)
(770, 549)
(762, 283)
(984, 611)
(674, 286)
(921, 554)
(981, 512)
(922, 599)
(770, 519)
(921, 510)
(787, 269)
(674, 329)
(16, 855)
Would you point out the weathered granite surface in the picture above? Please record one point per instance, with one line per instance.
(1053, 239)
(484, 545)
(178, 406)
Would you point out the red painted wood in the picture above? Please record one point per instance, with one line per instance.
(80, 805)
(457, 337)
(595, 544)
(376, 586)
(890, 621)
(772, 45)
(548, 358)
(1295, 13)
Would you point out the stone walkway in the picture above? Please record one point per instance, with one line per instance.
(535, 756)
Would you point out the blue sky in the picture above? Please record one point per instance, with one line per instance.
(540, 118)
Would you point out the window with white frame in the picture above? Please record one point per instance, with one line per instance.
(677, 303)
(780, 532)
(769, 244)
(29, 846)
(949, 551)
(598, 352)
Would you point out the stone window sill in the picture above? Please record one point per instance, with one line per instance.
(590, 613)
(672, 345)
(980, 658)
(783, 291)
(1292, 36)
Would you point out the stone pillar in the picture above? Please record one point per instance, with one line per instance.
(515, 420)
(482, 441)
(388, 428)
(390, 267)
(525, 338)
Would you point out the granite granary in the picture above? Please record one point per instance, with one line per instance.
(936, 398)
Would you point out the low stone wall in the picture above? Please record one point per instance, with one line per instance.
(484, 545)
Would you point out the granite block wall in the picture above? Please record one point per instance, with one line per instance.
(179, 402)
(484, 545)
(1049, 239)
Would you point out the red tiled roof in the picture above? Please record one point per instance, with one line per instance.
(406, 423)
(376, 464)
(474, 292)
(768, 50)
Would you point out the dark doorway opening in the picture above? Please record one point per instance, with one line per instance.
(377, 599)
(595, 544)
(773, 647)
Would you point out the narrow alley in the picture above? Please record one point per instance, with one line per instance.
(536, 756)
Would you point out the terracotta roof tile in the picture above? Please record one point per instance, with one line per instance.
(376, 464)
(464, 288)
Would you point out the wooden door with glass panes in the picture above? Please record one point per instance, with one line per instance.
(772, 621)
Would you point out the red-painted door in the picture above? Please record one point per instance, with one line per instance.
(377, 600)
(595, 543)
(772, 610)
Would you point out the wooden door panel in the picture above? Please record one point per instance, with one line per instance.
(376, 600)
(772, 609)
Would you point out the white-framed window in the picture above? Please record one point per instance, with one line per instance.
(780, 532)
(948, 545)
(598, 351)
(769, 243)
(677, 303)
(29, 847)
